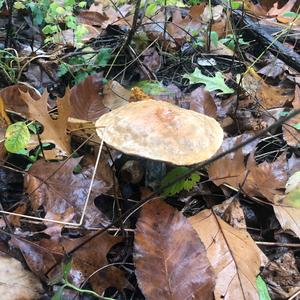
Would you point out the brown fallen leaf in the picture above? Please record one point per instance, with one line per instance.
(90, 99)
(263, 180)
(275, 11)
(13, 99)
(54, 186)
(41, 256)
(231, 212)
(170, 259)
(16, 283)
(54, 130)
(202, 101)
(233, 254)
(91, 17)
(290, 134)
(282, 276)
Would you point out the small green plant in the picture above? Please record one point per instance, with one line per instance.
(181, 185)
(55, 16)
(9, 65)
(63, 280)
(232, 40)
(84, 65)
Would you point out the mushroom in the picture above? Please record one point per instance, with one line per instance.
(161, 131)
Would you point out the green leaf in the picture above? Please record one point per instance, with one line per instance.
(183, 184)
(103, 57)
(19, 5)
(151, 9)
(63, 69)
(82, 4)
(236, 4)
(211, 83)
(17, 137)
(290, 14)
(154, 88)
(214, 38)
(262, 289)
(297, 126)
(292, 191)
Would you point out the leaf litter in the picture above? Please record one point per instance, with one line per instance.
(224, 231)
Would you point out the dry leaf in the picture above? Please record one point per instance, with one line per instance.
(231, 212)
(275, 11)
(62, 193)
(282, 276)
(55, 131)
(266, 179)
(233, 254)
(202, 102)
(170, 259)
(13, 99)
(16, 283)
(90, 17)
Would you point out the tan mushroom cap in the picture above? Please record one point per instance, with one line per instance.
(161, 131)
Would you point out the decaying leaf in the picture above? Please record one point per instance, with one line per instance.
(231, 211)
(54, 186)
(282, 276)
(170, 259)
(55, 130)
(41, 256)
(233, 254)
(16, 283)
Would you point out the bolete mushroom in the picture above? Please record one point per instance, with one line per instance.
(161, 131)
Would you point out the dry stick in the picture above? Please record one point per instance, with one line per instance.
(192, 170)
(290, 245)
(134, 25)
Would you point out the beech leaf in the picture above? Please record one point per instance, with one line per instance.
(233, 254)
(170, 259)
(211, 83)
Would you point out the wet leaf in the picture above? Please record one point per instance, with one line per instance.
(170, 259)
(43, 255)
(62, 193)
(233, 254)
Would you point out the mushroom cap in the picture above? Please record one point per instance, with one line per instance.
(161, 131)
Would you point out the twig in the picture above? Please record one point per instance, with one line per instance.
(134, 24)
(290, 245)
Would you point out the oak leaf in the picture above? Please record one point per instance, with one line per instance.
(62, 193)
(55, 130)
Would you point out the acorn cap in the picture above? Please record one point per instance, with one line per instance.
(161, 131)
